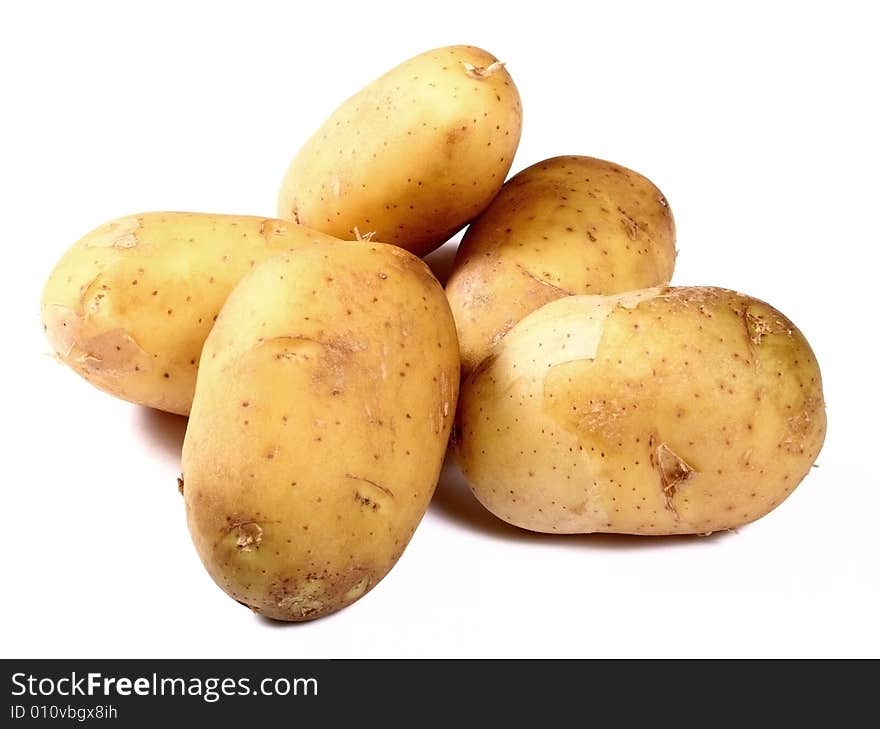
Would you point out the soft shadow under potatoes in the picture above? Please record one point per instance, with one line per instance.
(440, 261)
(164, 431)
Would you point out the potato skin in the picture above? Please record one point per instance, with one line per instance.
(567, 225)
(323, 407)
(128, 306)
(665, 411)
(413, 156)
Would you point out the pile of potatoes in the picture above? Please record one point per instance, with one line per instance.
(320, 368)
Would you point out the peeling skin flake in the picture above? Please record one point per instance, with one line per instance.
(116, 234)
(757, 327)
(673, 471)
(248, 536)
(572, 337)
(111, 352)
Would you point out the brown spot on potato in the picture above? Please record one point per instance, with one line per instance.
(454, 136)
(365, 501)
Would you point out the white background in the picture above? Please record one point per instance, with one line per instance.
(759, 123)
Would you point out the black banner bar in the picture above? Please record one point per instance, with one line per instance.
(240, 693)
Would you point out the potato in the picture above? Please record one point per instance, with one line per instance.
(128, 307)
(567, 225)
(322, 411)
(664, 411)
(414, 155)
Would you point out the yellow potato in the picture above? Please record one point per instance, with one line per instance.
(413, 156)
(128, 306)
(664, 411)
(567, 225)
(322, 411)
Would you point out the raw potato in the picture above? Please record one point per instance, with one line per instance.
(567, 225)
(414, 155)
(128, 307)
(665, 411)
(323, 407)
